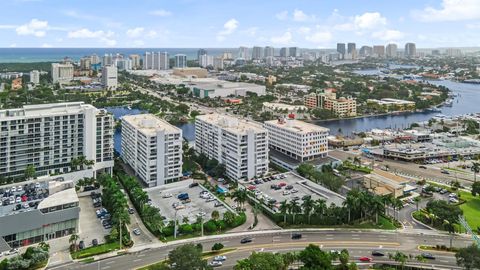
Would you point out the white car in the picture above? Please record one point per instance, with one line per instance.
(13, 189)
(215, 263)
(136, 231)
(286, 192)
(220, 258)
(167, 195)
(12, 251)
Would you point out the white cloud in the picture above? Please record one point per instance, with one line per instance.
(105, 37)
(161, 13)
(283, 15)
(86, 33)
(135, 32)
(13, 45)
(369, 20)
(319, 37)
(388, 35)
(35, 28)
(284, 39)
(228, 28)
(450, 10)
(304, 30)
(300, 16)
(46, 45)
(151, 34)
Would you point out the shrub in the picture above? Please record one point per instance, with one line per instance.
(210, 226)
(186, 228)
(217, 246)
(168, 231)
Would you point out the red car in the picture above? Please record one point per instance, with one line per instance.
(282, 184)
(365, 259)
(252, 187)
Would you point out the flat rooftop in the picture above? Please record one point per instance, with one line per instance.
(150, 124)
(283, 106)
(232, 124)
(41, 110)
(62, 197)
(297, 126)
(212, 83)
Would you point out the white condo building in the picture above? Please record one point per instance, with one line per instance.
(110, 77)
(153, 148)
(49, 136)
(180, 61)
(62, 73)
(299, 140)
(240, 144)
(35, 76)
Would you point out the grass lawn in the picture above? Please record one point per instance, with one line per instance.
(91, 251)
(383, 223)
(471, 207)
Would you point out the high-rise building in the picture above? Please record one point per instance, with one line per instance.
(57, 134)
(379, 51)
(148, 60)
(366, 51)
(62, 73)
(243, 53)
(352, 50)
(293, 52)
(453, 52)
(296, 139)
(35, 76)
(391, 51)
(85, 63)
(153, 148)
(206, 61)
(94, 59)
(241, 145)
(110, 77)
(107, 60)
(135, 60)
(123, 64)
(257, 53)
(410, 50)
(269, 52)
(341, 49)
(283, 52)
(218, 63)
(180, 61)
(201, 52)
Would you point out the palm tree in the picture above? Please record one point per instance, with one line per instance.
(73, 239)
(240, 197)
(376, 207)
(417, 200)
(284, 208)
(44, 246)
(307, 206)
(475, 170)
(449, 159)
(387, 200)
(400, 258)
(294, 209)
(320, 206)
(350, 203)
(357, 161)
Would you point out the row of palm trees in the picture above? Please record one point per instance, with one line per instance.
(80, 162)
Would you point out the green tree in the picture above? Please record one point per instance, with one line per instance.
(217, 246)
(475, 169)
(73, 239)
(314, 258)
(400, 258)
(475, 188)
(261, 261)
(215, 215)
(469, 257)
(30, 172)
(187, 256)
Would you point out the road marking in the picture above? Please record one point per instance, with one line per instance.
(329, 235)
(109, 262)
(141, 255)
(137, 260)
(329, 238)
(106, 267)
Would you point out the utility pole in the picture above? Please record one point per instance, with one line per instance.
(201, 220)
(175, 227)
(120, 236)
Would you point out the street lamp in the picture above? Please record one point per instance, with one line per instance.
(175, 227)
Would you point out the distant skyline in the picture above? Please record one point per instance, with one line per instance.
(229, 23)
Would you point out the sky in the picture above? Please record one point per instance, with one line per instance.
(229, 23)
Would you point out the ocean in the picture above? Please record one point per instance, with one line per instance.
(30, 55)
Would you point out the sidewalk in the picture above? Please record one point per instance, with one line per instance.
(264, 223)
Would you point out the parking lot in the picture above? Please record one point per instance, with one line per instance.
(289, 186)
(22, 197)
(90, 226)
(165, 197)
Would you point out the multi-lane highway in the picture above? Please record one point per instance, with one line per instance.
(358, 242)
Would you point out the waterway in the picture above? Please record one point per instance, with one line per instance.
(467, 101)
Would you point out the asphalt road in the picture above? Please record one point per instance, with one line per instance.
(359, 243)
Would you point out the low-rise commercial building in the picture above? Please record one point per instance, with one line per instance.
(386, 183)
(281, 109)
(48, 210)
(241, 145)
(392, 104)
(153, 148)
(327, 99)
(212, 88)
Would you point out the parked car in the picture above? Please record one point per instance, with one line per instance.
(422, 167)
(194, 184)
(12, 251)
(94, 242)
(167, 195)
(136, 231)
(289, 187)
(131, 211)
(215, 263)
(81, 245)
